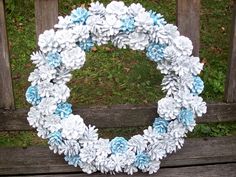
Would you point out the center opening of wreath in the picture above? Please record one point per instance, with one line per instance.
(113, 76)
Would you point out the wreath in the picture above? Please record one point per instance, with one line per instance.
(62, 50)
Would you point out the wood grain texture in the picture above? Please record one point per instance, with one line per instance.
(37, 160)
(46, 15)
(218, 170)
(118, 116)
(6, 91)
(188, 21)
(230, 85)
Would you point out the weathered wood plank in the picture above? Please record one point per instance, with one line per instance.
(37, 160)
(118, 116)
(46, 15)
(188, 21)
(6, 91)
(218, 170)
(230, 85)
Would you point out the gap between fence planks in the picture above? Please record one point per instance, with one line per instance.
(46, 15)
(6, 91)
(188, 21)
(118, 116)
(217, 170)
(230, 84)
(40, 160)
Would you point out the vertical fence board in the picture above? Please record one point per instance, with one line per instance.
(6, 91)
(188, 21)
(230, 85)
(46, 15)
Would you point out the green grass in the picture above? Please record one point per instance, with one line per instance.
(215, 29)
(115, 76)
(118, 77)
(29, 138)
(110, 76)
(213, 130)
(20, 139)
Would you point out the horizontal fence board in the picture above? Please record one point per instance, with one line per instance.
(230, 85)
(37, 160)
(218, 170)
(118, 116)
(6, 91)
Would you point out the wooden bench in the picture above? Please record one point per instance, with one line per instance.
(200, 157)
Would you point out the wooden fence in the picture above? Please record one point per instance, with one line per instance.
(217, 159)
